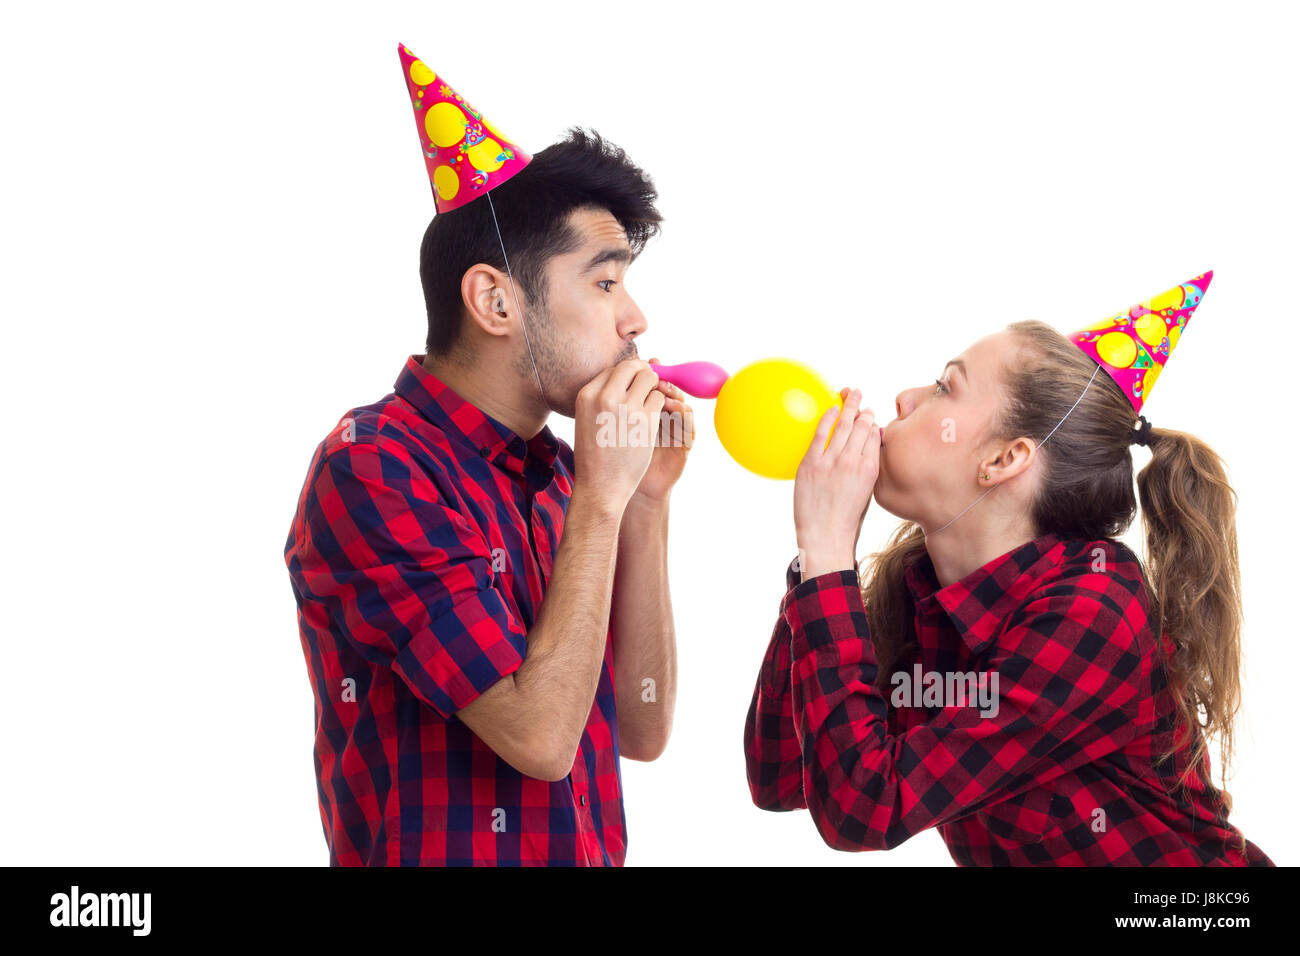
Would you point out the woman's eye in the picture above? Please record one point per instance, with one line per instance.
(605, 282)
(941, 387)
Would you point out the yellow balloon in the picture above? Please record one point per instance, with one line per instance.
(767, 413)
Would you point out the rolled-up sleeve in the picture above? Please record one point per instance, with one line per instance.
(407, 579)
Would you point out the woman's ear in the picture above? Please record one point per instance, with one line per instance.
(1011, 460)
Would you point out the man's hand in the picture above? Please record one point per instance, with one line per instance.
(611, 448)
(673, 440)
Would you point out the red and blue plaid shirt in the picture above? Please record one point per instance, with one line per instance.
(419, 556)
(1066, 770)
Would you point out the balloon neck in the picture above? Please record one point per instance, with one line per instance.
(700, 379)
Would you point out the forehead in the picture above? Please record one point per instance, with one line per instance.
(988, 352)
(986, 359)
(597, 227)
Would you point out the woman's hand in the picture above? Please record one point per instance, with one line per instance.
(832, 488)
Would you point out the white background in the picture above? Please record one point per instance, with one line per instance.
(211, 223)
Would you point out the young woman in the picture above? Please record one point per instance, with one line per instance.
(999, 677)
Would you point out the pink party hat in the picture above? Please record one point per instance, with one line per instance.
(1134, 346)
(466, 154)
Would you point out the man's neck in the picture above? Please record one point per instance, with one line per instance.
(493, 392)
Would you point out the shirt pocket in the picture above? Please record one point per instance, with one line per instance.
(1028, 817)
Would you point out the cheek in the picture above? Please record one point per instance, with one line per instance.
(922, 454)
(900, 460)
(591, 321)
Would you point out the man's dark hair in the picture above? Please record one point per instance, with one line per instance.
(532, 210)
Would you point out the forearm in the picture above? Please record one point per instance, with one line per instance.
(1009, 730)
(645, 646)
(773, 755)
(556, 684)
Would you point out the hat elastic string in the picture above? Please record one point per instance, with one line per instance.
(522, 324)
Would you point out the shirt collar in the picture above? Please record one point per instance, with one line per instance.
(980, 602)
(444, 407)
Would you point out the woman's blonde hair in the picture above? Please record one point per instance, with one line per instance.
(1191, 570)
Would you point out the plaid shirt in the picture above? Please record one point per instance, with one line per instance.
(1066, 771)
(419, 556)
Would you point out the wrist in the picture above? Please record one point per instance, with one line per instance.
(815, 562)
(647, 504)
(596, 502)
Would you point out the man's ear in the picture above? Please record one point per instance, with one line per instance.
(483, 290)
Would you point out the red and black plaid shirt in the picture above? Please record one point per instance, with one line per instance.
(419, 556)
(1066, 771)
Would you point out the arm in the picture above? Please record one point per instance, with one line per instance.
(645, 647)
(773, 759)
(414, 585)
(414, 582)
(534, 718)
(1068, 671)
(542, 712)
(644, 641)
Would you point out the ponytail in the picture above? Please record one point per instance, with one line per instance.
(1194, 583)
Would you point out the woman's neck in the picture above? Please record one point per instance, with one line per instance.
(957, 551)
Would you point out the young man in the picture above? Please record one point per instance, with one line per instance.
(484, 610)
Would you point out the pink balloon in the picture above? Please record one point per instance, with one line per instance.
(701, 379)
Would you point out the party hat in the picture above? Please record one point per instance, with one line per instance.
(466, 155)
(1134, 346)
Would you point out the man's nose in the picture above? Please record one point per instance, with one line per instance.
(903, 404)
(633, 321)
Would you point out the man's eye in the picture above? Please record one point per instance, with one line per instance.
(604, 282)
(941, 387)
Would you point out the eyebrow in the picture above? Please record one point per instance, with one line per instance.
(609, 254)
(961, 367)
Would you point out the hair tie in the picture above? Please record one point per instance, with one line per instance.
(1141, 436)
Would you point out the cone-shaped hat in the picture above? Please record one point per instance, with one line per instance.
(1134, 346)
(466, 155)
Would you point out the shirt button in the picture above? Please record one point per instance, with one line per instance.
(583, 800)
(483, 452)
